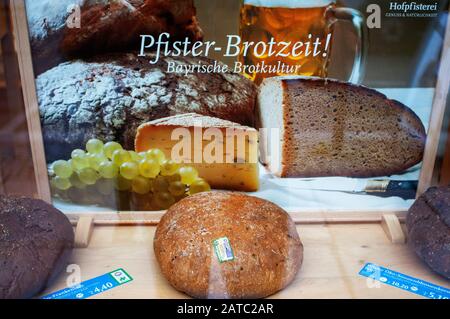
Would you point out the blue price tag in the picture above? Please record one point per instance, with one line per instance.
(404, 282)
(93, 286)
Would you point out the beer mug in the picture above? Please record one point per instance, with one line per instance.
(293, 21)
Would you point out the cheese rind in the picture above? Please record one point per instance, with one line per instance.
(224, 153)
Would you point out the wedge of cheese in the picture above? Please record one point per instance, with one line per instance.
(224, 153)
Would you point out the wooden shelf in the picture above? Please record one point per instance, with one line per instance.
(334, 254)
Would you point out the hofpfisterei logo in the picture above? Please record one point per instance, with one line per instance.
(412, 9)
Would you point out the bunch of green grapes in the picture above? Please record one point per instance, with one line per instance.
(105, 169)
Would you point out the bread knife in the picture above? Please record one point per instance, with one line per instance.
(381, 188)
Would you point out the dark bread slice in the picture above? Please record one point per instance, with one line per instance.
(266, 247)
(36, 240)
(428, 224)
(332, 128)
(109, 96)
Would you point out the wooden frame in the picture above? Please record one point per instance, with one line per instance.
(34, 125)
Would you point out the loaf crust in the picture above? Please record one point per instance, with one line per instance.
(428, 224)
(36, 240)
(334, 128)
(108, 97)
(264, 240)
(105, 26)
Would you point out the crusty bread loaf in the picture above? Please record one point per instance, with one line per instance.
(264, 242)
(233, 170)
(428, 223)
(105, 26)
(331, 128)
(108, 97)
(36, 240)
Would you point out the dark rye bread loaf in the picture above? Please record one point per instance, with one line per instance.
(108, 97)
(36, 240)
(428, 224)
(331, 128)
(264, 242)
(105, 26)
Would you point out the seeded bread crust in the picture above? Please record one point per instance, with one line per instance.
(108, 97)
(428, 224)
(334, 128)
(105, 26)
(264, 240)
(36, 240)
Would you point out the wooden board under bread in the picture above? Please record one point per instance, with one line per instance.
(334, 254)
(437, 117)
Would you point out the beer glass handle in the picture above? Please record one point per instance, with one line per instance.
(357, 19)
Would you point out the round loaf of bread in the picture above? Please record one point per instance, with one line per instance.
(227, 245)
(64, 29)
(428, 224)
(108, 97)
(36, 240)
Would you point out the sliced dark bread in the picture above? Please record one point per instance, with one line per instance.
(331, 128)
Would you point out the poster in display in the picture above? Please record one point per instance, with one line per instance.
(321, 107)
